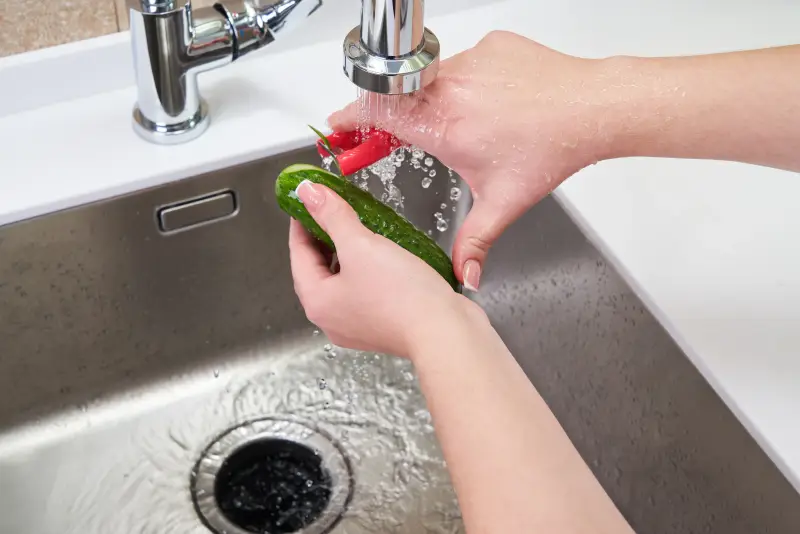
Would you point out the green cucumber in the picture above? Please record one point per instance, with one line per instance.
(374, 214)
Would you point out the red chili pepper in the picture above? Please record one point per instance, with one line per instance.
(354, 151)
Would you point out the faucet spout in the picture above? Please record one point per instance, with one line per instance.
(172, 44)
(391, 52)
(392, 29)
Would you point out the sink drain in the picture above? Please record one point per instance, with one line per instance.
(271, 476)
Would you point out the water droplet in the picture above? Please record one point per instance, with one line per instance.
(216, 373)
(438, 215)
(443, 206)
(327, 347)
(315, 333)
(432, 173)
(426, 182)
(428, 161)
(455, 194)
(322, 383)
(441, 225)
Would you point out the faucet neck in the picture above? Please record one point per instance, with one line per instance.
(392, 28)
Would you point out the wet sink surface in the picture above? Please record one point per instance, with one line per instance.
(124, 353)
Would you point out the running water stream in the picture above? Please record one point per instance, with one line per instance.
(373, 109)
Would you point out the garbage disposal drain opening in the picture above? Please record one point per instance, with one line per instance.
(273, 486)
(271, 476)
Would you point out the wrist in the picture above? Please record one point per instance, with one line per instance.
(633, 105)
(656, 107)
(606, 106)
(452, 318)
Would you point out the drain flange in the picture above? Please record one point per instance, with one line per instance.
(271, 476)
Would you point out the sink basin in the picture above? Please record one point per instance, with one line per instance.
(156, 368)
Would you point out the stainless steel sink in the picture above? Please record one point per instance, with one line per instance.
(139, 356)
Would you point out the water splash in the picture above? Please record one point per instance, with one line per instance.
(371, 404)
(441, 222)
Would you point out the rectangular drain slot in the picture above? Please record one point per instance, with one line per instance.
(197, 211)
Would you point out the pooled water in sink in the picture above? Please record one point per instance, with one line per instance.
(370, 404)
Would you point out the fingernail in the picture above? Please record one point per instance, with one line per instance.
(308, 193)
(472, 275)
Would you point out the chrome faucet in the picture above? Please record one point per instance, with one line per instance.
(391, 52)
(173, 43)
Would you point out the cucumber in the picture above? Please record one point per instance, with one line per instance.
(374, 214)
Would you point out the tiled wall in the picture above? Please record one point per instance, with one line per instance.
(31, 24)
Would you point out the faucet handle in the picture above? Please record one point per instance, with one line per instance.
(258, 23)
(281, 16)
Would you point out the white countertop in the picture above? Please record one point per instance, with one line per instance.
(711, 247)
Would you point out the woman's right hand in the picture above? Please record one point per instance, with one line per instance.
(513, 118)
(383, 299)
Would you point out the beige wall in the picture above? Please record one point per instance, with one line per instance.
(31, 24)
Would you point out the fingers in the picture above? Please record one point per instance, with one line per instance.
(481, 228)
(309, 266)
(346, 119)
(331, 212)
(413, 118)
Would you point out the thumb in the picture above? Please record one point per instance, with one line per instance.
(330, 211)
(483, 225)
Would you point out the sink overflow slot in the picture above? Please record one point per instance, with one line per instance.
(197, 211)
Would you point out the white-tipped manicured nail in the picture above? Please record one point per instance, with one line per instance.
(472, 275)
(294, 195)
(311, 192)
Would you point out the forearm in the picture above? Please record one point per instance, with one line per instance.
(739, 106)
(513, 467)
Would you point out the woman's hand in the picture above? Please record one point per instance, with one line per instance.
(512, 117)
(383, 298)
(515, 119)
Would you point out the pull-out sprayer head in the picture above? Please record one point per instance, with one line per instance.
(391, 52)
